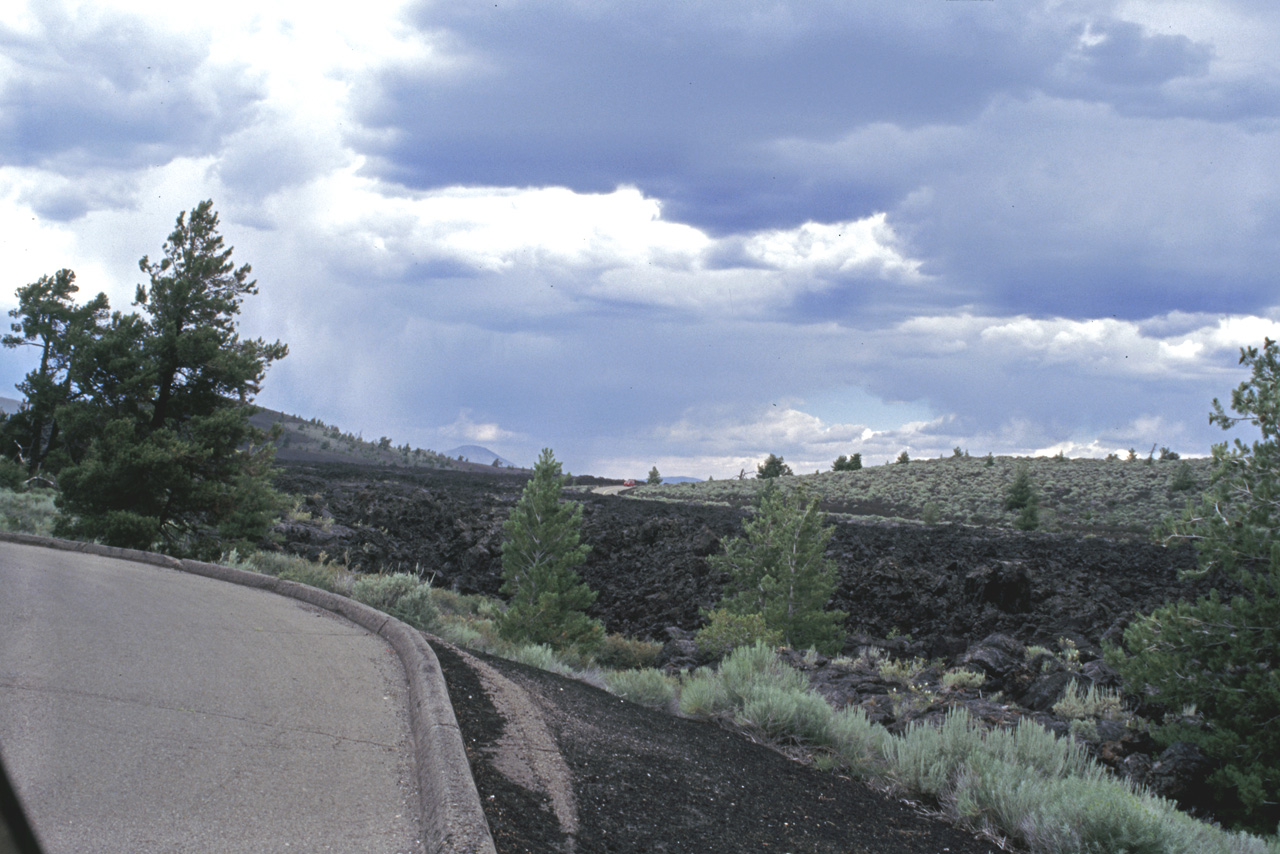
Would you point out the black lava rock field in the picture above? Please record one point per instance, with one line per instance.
(938, 588)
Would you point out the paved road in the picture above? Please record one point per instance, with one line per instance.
(144, 709)
(612, 490)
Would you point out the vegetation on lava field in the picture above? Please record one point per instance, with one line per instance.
(1107, 497)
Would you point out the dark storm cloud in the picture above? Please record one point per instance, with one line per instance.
(1120, 53)
(109, 91)
(680, 98)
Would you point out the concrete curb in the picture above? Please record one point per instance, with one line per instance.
(453, 821)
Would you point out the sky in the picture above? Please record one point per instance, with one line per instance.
(679, 233)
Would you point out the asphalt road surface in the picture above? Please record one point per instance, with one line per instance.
(144, 709)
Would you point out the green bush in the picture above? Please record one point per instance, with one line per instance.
(788, 714)
(750, 667)
(651, 688)
(12, 475)
(1094, 702)
(294, 568)
(623, 653)
(857, 742)
(466, 604)
(726, 631)
(541, 656)
(1028, 518)
(31, 512)
(1075, 815)
(402, 596)
(900, 671)
(960, 679)
(703, 695)
(1182, 480)
(927, 758)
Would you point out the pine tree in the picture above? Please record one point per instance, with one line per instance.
(541, 547)
(778, 569)
(773, 466)
(843, 463)
(654, 478)
(1224, 656)
(150, 410)
(1021, 493)
(50, 320)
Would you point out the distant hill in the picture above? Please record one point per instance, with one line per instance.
(312, 441)
(9, 406)
(681, 479)
(478, 454)
(1102, 497)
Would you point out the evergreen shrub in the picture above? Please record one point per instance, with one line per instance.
(725, 631)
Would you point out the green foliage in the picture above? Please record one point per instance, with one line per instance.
(291, 568)
(1022, 783)
(725, 631)
(901, 671)
(747, 668)
(541, 656)
(788, 714)
(654, 478)
(960, 679)
(49, 320)
(651, 688)
(928, 759)
(1022, 498)
(703, 695)
(1087, 495)
(623, 653)
(772, 467)
(1224, 657)
(1081, 815)
(903, 458)
(779, 570)
(12, 475)
(843, 463)
(29, 512)
(1182, 480)
(541, 547)
(857, 742)
(1021, 493)
(1094, 702)
(1028, 518)
(144, 416)
(401, 595)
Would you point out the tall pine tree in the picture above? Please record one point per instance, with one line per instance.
(145, 415)
(541, 547)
